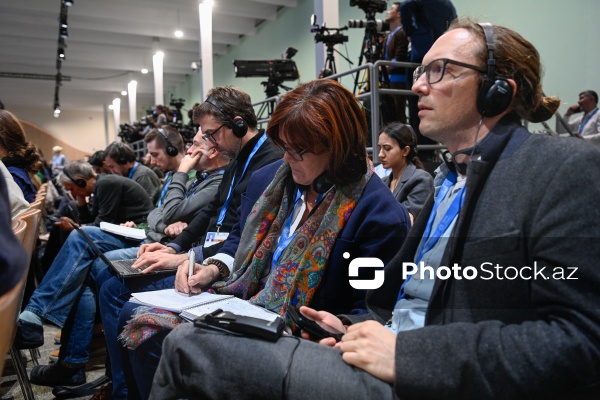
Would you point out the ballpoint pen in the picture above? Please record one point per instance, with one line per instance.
(192, 262)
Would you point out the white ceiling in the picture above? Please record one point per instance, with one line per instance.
(109, 42)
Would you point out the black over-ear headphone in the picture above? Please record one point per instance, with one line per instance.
(239, 127)
(495, 93)
(171, 150)
(78, 182)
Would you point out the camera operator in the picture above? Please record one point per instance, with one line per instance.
(158, 117)
(396, 49)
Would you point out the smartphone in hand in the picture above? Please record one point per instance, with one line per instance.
(316, 330)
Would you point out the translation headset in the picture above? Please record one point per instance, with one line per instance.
(239, 127)
(495, 93)
(171, 150)
(78, 182)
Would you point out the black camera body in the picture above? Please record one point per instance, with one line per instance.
(329, 36)
(370, 6)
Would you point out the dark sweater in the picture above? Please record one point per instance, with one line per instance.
(206, 219)
(117, 199)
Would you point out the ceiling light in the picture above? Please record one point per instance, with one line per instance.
(124, 93)
(61, 54)
(68, 3)
(144, 71)
(63, 31)
(56, 112)
(178, 34)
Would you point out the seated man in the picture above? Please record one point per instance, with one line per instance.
(229, 124)
(182, 202)
(120, 159)
(504, 303)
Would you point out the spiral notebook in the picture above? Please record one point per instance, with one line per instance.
(191, 307)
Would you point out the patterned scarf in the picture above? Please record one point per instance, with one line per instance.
(302, 263)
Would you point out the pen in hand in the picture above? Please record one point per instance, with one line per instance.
(192, 262)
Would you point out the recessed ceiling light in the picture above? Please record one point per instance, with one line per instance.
(144, 71)
(124, 93)
(178, 34)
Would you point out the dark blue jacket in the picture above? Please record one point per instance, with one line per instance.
(377, 228)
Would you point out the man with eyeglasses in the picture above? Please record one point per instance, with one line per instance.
(494, 294)
(229, 125)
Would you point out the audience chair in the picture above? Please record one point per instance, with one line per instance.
(10, 305)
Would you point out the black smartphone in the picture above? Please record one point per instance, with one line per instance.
(53, 218)
(317, 331)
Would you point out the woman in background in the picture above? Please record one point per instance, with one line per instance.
(409, 182)
(20, 157)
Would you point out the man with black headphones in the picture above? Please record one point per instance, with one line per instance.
(120, 159)
(494, 294)
(116, 199)
(166, 148)
(229, 125)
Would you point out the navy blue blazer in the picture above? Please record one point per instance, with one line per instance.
(377, 228)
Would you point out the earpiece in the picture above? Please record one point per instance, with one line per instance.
(495, 93)
(171, 150)
(78, 182)
(239, 127)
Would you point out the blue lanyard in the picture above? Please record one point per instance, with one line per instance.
(233, 185)
(430, 240)
(285, 238)
(132, 170)
(586, 120)
(163, 193)
(389, 39)
(197, 182)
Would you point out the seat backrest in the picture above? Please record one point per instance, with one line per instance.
(10, 302)
(18, 227)
(33, 218)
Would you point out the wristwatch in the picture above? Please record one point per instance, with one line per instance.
(223, 269)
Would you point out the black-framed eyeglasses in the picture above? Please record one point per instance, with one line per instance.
(435, 70)
(296, 155)
(209, 136)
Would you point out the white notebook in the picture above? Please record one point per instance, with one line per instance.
(133, 233)
(191, 307)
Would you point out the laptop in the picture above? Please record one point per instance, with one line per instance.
(121, 267)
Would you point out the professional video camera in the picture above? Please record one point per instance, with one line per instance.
(369, 6)
(131, 133)
(283, 70)
(177, 103)
(379, 25)
(329, 36)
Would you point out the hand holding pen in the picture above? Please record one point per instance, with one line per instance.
(192, 263)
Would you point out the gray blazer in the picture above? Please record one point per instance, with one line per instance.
(510, 338)
(413, 189)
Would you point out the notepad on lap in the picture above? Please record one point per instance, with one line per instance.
(133, 233)
(191, 307)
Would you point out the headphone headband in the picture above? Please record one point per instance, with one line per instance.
(170, 150)
(239, 127)
(77, 182)
(495, 92)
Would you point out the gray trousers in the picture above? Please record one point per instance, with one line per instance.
(203, 364)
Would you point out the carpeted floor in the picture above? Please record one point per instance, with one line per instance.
(9, 385)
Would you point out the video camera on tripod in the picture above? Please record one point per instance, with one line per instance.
(328, 36)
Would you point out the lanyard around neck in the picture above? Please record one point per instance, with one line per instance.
(234, 184)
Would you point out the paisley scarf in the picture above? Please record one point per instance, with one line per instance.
(301, 266)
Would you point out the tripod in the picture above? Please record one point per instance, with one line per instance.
(330, 68)
(372, 46)
(272, 86)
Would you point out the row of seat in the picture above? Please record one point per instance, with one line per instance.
(26, 228)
